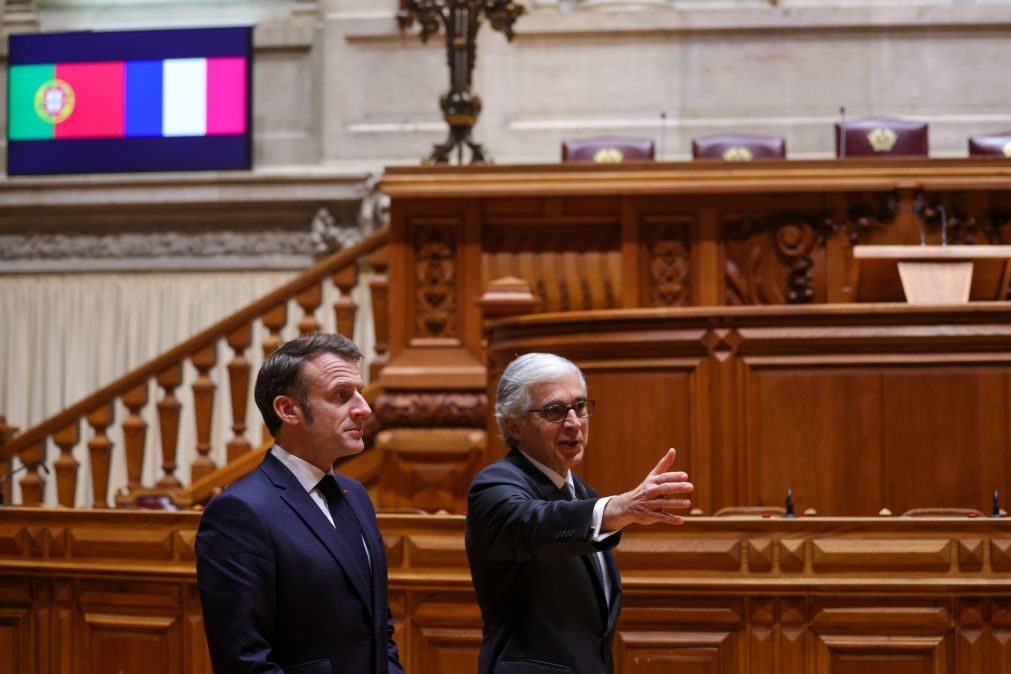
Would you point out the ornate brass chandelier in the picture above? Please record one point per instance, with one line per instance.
(460, 20)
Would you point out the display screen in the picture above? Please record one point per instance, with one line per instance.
(162, 100)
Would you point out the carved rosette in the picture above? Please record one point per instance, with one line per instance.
(770, 259)
(669, 266)
(431, 410)
(435, 255)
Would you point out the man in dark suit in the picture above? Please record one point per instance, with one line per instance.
(539, 538)
(290, 562)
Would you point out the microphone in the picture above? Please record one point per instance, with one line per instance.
(842, 131)
(663, 134)
(24, 466)
(944, 225)
(917, 210)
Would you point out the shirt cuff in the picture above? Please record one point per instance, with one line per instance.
(598, 517)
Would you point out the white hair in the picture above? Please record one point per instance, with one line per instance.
(512, 399)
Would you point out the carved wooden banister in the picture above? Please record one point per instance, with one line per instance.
(363, 467)
(166, 370)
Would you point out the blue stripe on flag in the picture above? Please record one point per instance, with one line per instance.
(143, 98)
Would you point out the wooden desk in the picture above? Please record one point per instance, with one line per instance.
(857, 407)
(696, 237)
(93, 592)
(645, 234)
(932, 274)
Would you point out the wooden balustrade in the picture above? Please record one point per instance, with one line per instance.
(164, 374)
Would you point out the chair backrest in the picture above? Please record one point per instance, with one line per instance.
(608, 149)
(881, 137)
(997, 144)
(738, 147)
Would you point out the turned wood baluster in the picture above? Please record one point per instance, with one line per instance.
(66, 466)
(379, 288)
(32, 484)
(274, 320)
(203, 409)
(238, 386)
(100, 451)
(135, 435)
(345, 308)
(309, 299)
(168, 423)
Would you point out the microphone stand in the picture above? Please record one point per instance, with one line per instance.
(663, 135)
(842, 131)
(24, 466)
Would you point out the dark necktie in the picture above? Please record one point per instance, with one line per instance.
(346, 523)
(594, 556)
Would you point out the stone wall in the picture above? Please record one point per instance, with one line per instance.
(337, 83)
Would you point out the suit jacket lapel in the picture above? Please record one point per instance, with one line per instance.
(296, 498)
(550, 492)
(540, 482)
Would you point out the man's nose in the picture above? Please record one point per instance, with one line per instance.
(361, 408)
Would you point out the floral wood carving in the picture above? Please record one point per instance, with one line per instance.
(669, 266)
(871, 213)
(962, 227)
(436, 281)
(431, 410)
(770, 259)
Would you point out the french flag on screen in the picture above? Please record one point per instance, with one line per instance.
(185, 97)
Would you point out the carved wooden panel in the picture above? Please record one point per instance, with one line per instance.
(670, 652)
(776, 258)
(15, 640)
(622, 449)
(569, 268)
(116, 642)
(435, 281)
(812, 429)
(848, 436)
(445, 632)
(668, 269)
(881, 654)
(971, 399)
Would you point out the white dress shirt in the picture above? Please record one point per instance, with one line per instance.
(309, 476)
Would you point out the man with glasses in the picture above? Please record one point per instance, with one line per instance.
(539, 538)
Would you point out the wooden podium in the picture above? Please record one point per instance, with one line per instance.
(931, 274)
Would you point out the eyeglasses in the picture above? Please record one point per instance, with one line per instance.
(557, 412)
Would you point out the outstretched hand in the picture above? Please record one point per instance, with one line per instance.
(650, 502)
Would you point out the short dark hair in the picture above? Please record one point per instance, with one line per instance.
(281, 373)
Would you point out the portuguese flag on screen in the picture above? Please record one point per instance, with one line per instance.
(123, 99)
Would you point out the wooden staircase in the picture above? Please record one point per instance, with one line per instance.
(52, 442)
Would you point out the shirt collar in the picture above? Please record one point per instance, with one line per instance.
(307, 474)
(558, 480)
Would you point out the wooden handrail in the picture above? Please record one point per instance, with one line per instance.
(156, 365)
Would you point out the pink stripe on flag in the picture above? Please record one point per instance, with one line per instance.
(226, 96)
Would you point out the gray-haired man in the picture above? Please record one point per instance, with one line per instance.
(539, 538)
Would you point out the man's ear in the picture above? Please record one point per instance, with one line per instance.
(512, 427)
(288, 410)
